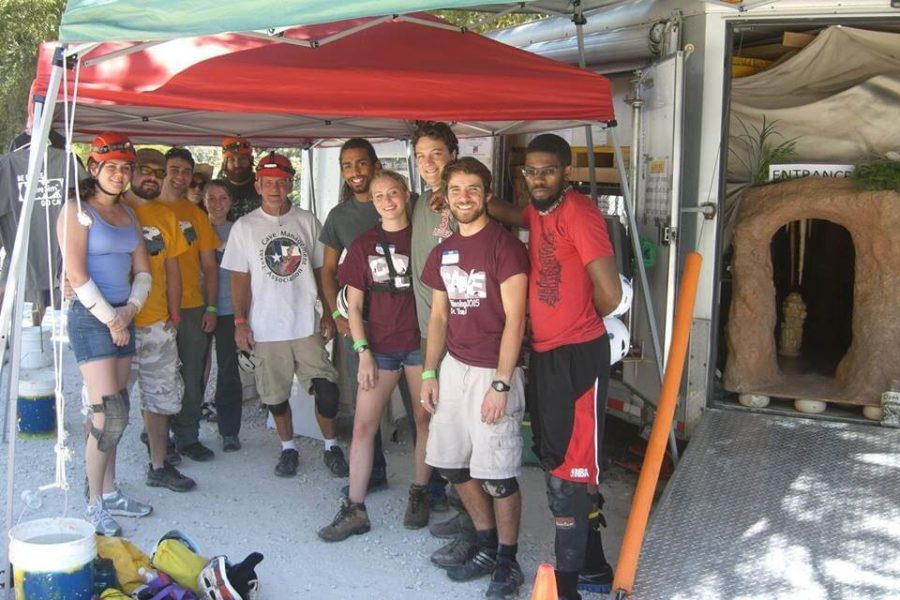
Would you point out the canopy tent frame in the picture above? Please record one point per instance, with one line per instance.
(11, 328)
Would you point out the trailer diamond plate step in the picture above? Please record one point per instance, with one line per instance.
(766, 506)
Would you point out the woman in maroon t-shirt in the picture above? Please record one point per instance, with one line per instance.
(377, 272)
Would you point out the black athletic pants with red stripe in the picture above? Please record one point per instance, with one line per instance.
(566, 399)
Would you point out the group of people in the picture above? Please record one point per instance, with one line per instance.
(430, 290)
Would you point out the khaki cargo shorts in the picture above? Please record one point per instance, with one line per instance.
(278, 362)
(156, 371)
(456, 436)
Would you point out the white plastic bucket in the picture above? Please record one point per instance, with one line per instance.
(52, 559)
(36, 349)
(36, 403)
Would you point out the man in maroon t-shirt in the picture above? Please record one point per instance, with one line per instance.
(573, 283)
(479, 280)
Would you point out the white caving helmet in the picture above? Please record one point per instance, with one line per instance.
(619, 339)
(627, 296)
(213, 582)
(342, 305)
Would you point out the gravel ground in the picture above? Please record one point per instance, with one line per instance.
(239, 506)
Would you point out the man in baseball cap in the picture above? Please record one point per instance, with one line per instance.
(237, 168)
(276, 259)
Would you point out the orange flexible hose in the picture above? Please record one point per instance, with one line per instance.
(626, 567)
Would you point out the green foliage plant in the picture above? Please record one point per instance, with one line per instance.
(757, 149)
(879, 174)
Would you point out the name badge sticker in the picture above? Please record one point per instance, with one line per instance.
(450, 257)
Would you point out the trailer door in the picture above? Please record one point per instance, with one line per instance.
(658, 201)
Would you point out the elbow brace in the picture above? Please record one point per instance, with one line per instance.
(89, 295)
(140, 289)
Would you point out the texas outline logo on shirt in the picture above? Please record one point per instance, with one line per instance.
(190, 234)
(153, 240)
(465, 290)
(284, 256)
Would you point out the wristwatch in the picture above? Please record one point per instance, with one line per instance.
(362, 348)
(500, 386)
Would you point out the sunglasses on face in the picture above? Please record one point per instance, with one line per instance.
(148, 171)
(197, 183)
(532, 173)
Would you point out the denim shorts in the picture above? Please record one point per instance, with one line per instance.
(394, 361)
(90, 339)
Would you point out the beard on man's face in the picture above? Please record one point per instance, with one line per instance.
(148, 190)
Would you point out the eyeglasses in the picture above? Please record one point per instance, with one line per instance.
(147, 171)
(197, 183)
(532, 173)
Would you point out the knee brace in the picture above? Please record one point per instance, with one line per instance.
(115, 408)
(278, 409)
(569, 504)
(326, 395)
(500, 488)
(456, 476)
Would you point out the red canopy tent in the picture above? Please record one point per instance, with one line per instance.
(367, 77)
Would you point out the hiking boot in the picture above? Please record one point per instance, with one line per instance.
(352, 519)
(480, 564)
(172, 456)
(335, 461)
(417, 507)
(121, 505)
(169, 477)
(102, 521)
(197, 452)
(287, 463)
(454, 554)
(453, 527)
(505, 580)
(598, 581)
(230, 443)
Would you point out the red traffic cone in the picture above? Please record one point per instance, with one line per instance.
(545, 584)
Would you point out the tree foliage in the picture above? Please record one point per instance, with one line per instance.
(24, 24)
(474, 21)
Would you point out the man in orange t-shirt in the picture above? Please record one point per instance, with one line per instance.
(198, 302)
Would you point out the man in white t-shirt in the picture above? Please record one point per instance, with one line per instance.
(276, 260)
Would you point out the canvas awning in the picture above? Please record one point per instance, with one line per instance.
(372, 83)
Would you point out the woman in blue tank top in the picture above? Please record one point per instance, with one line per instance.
(108, 269)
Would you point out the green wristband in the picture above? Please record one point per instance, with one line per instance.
(429, 374)
(335, 314)
(212, 309)
(360, 344)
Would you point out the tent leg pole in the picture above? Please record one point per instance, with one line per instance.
(16, 297)
(588, 130)
(642, 272)
(313, 205)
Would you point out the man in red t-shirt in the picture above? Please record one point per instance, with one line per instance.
(479, 281)
(574, 282)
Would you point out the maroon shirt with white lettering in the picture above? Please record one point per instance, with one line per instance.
(471, 269)
(392, 325)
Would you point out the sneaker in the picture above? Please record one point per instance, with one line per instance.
(335, 461)
(102, 521)
(230, 443)
(506, 580)
(480, 564)
(287, 463)
(454, 554)
(452, 527)
(352, 519)
(596, 581)
(169, 477)
(417, 507)
(197, 452)
(121, 505)
(172, 456)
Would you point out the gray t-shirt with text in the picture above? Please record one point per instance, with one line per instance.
(429, 229)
